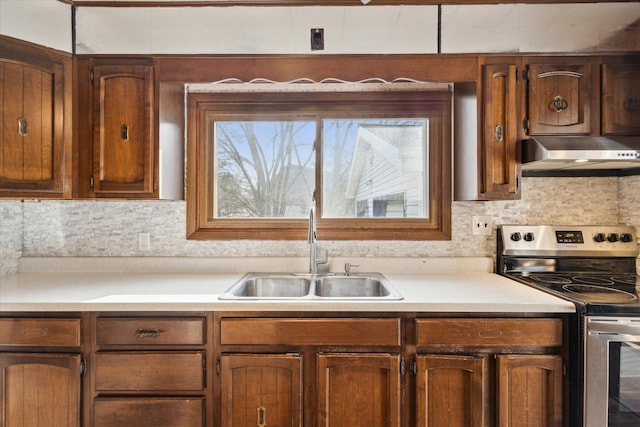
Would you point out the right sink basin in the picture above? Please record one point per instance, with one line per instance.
(355, 286)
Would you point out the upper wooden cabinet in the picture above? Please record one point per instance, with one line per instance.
(559, 98)
(117, 113)
(35, 121)
(499, 132)
(621, 99)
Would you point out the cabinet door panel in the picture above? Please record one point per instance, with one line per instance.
(529, 391)
(621, 99)
(28, 132)
(559, 99)
(261, 390)
(35, 121)
(358, 390)
(40, 389)
(452, 391)
(500, 134)
(123, 129)
(148, 412)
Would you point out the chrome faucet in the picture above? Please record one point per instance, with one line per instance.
(312, 238)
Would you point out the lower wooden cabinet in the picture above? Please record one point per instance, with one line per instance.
(359, 390)
(242, 369)
(149, 370)
(459, 390)
(452, 390)
(529, 390)
(41, 369)
(481, 372)
(40, 389)
(261, 390)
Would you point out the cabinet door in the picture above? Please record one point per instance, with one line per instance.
(32, 129)
(621, 99)
(123, 154)
(261, 390)
(559, 99)
(500, 167)
(452, 391)
(359, 390)
(529, 390)
(40, 390)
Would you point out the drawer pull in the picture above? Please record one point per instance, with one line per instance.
(490, 333)
(146, 333)
(262, 422)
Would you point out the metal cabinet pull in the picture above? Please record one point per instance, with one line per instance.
(499, 133)
(124, 132)
(147, 333)
(262, 422)
(631, 104)
(22, 127)
(559, 104)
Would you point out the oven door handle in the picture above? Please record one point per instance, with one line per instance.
(614, 327)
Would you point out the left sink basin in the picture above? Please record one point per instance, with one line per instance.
(277, 286)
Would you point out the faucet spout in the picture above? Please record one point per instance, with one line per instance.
(312, 237)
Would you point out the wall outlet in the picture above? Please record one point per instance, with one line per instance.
(482, 225)
(144, 242)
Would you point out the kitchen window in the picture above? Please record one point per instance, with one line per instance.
(375, 164)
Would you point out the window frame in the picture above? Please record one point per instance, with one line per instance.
(203, 108)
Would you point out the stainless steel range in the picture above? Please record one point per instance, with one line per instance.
(595, 268)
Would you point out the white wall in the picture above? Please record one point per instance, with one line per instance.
(44, 22)
(357, 29)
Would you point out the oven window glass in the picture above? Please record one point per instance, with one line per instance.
(624, 384)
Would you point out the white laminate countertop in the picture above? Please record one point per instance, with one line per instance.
(427, 285)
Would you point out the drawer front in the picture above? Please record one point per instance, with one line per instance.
(489, 332)
(40, 332)
(311, 331)
(150, 331)
(148, 412)
(149, 371)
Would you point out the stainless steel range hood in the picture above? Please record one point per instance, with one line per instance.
(548, 153)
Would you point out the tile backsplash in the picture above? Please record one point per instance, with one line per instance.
(94, 228)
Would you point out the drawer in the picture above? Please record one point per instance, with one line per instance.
(150, 331)
(40, 332)
(149, 371)
(148, 412)
(489, 332)
(311, 331)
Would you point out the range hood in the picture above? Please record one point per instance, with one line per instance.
(568, 153)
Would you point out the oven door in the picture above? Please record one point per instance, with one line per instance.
(612, 372)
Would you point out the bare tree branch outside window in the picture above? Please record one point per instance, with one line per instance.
(264, 169)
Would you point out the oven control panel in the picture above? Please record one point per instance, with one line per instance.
(570, 240)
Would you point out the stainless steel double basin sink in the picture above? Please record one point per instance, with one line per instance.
(292, 286)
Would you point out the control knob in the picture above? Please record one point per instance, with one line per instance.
(528, 237)
(516, 236)
(626, 237)
(613, 237)
(599, 237)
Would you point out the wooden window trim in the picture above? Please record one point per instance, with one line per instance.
(200, 177)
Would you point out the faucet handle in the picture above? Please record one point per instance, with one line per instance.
(347, 268)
